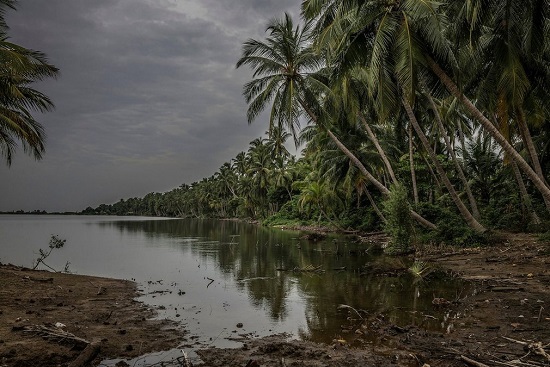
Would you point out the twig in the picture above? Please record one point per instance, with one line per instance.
(540, 314)
(350, 308)
(514, 340)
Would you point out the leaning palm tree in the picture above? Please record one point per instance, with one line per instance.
(392, 39)
(19, 69)
(286, 75)
(347, 26)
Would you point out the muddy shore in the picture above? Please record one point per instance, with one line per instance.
(49, 319)
(504, 321)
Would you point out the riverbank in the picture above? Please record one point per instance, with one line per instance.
(503, 321)
(55, 319)
(504, 316)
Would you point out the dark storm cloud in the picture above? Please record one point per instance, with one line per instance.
(148, 96)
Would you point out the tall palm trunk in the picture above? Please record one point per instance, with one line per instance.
(493, 131)
(524, 196)
(411, 164)
(376, 143)
(462, 141)
(468, 217)
(374, 206)
(465, 183)
(383, 189)
(530, 145)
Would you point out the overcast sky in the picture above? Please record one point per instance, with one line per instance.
(148, 97)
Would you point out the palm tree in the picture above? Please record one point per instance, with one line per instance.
(21, 67)
(319, 195)
(284, 75)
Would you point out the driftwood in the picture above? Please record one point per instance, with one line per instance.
(57, 335)
(41, 280)
(87, 355)
(471, 362)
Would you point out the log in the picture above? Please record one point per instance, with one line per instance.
(86, 356)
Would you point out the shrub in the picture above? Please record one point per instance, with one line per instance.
(398, 220)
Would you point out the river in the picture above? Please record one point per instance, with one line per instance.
(212, 275)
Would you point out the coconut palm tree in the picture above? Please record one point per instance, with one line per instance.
(20, 68)
(285, 67)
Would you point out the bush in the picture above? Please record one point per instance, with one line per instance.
(398, 220)
(452, 230)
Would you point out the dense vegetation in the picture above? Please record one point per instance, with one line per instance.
(441, 102)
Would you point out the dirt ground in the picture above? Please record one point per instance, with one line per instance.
(100, 311)
(504, 321)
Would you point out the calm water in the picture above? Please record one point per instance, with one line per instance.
(210, 275)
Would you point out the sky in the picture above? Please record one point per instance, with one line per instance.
(148, 96)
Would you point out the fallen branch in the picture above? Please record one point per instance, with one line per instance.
(41, 280)
(340, 307)
(471, 362)
(57, 335)
(514, 340)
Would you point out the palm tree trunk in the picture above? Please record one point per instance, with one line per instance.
(524, 195)
(462, 141)
(411, 163)
(374, 206)
(383, 189)
(528, 141)
(471, 199)
(468, 217)
(376, 143)
(492, 130)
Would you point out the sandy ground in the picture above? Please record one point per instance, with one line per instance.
(505, 321)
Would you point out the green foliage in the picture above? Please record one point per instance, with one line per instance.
(289, 214)
(451, 230)
(21, 68)
(420, 269)
(362, 218)
(398, 220)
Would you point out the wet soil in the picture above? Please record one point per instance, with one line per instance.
(48, 319)
(503, 321)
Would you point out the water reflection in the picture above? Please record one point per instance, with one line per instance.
(255, 273)
(261, 262)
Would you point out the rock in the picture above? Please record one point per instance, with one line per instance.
(240, 324)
